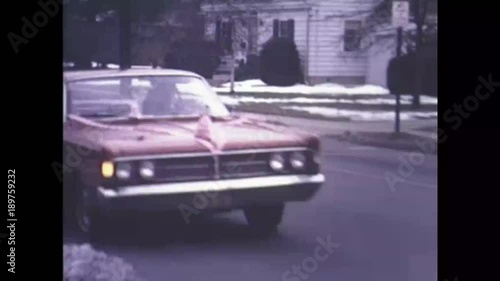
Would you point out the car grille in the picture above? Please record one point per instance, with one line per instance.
(231, 165)
(184, 169)
(244, 165)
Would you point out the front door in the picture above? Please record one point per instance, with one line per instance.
(224, 38)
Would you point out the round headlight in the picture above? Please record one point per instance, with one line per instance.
(147, 169)
(298, 160)
(277, 162)
(123, 170)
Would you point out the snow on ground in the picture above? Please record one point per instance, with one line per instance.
(423, 99)
(257, 86)
(247, 99)
(246, 83)
(357, 115)
(109, 65)
(115, 66)
(405, 100)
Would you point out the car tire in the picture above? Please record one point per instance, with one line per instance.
(264, 220)
(89, 221)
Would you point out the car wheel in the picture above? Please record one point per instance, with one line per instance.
(88, 220)
(264, 220)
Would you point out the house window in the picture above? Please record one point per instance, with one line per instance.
(223, 35)
(284, 29)
(352, 35)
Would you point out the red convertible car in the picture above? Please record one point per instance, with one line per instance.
(161, 140)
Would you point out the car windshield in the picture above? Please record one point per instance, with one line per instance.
(144, 96)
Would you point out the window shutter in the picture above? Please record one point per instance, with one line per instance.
(291, 29)
(276, 28)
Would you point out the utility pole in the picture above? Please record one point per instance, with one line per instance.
(398, 101)
(419, 21)
(400, 18)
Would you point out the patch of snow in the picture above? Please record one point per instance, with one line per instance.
(358, 115)
(246, 83)
(116, 66)
(380, 101)
(257, 86)
(248, 99)
(109, 65)
(328, 85)
(423, 99)
(369, 89)
(428, 100)
(390, 100)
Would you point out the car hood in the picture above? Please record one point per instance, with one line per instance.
(124, 139)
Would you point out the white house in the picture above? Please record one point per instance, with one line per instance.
(326, 33)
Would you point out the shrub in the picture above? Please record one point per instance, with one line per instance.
(249, 70)
(83, 263)
(280, 63)
(201, 57)
(401, 74)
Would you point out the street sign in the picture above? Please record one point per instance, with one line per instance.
(400, 13)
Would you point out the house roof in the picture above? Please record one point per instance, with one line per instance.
(109, 73)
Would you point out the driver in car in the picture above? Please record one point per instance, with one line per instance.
(160, 99)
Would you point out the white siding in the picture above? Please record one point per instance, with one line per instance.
(324, 22)
(326, 57)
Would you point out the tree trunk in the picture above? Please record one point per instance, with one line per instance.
(125, 34)
(418, 71)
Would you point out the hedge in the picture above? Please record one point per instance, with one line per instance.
(280, 63)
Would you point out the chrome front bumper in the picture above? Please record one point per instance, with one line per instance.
(242, 192)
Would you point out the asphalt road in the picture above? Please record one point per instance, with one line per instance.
(375, 232)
